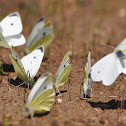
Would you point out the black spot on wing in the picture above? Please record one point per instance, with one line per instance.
(41, 48)
(14, 14)
(34, 57)
(120, 54)
(45, 87)
(46, 74)
(64, 66)
(44, 33)
(12, 24)
(89, 75)
(41, 19)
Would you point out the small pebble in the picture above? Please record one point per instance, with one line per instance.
(59, 100)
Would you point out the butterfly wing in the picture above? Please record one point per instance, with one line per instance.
(121, 46)
(123, 63)
(3, 42)
(35, 31)
(62, 78)
(44, 102)
(11, 25)
(87, 80)
(107, 69)
(16, 40)
(18, 67)
(43, 37)
(42, 95)
(63, 72)
(32, 61)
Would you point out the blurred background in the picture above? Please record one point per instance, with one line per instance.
(85, 23)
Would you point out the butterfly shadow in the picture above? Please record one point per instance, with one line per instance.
(16, 82)
(19, 82)
(112, 104)
(7, 68)
(38, 115)
(61, 92)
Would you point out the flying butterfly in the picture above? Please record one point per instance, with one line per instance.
(42, 96)
(111, 66)
(10, 31)
(40, 35)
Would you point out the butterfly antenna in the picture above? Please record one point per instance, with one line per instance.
(108, 46)
(21, 84)
(58, 91)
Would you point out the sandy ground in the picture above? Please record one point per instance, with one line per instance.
(79, 26)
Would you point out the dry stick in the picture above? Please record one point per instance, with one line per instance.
(24, 92)
(9, 90)
(57, 106)
(69, 89)
(85, 48)
(122, 101)
(105, 45)
(18, 91)
(108, 46)
(48, 52)
(1, 73)
(80, 91)
(72, 48)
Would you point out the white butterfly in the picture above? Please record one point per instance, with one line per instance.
(62, 73)
(10, 29)
(28, 66)
(40, 35)
(35, 31)
(42, 96)
(87, 80)
(109, 67)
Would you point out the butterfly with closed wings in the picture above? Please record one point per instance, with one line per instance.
(42, 96)
(40, 35)
(62, 73)
(28, 66)
(10, 31)
(87, 81)
(111, 66)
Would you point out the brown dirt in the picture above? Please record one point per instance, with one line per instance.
(83, 24)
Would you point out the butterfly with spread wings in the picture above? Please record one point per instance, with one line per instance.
(10, 31)
(28, 66)
(111, 66)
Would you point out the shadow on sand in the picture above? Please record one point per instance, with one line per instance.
(61, 92)
(7, 68)
(112, 104)
(16, 82)
(39, 115)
